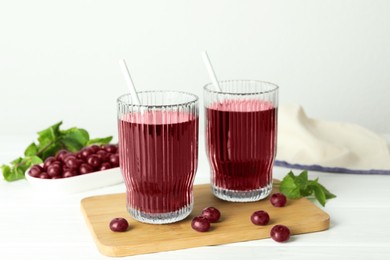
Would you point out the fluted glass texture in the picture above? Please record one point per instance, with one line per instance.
(241, 127)
(158, 149)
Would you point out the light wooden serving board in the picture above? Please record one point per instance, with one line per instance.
(301, 216)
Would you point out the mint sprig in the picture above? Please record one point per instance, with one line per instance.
(295, 187)
(50, 141)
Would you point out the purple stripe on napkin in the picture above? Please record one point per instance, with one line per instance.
(330, 169)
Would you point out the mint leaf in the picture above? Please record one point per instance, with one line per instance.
(32, 149)
(294, 187)
(49, 135)
(17, 160)
(319, 193)
(6, 172)
(48, 141)
(19, 167)
(301, 180)
(49, 150)
(74, 139)
(12, 174)
(100, 141)
(289, 187)
(32, 160)
(328, 194)
(79, 134)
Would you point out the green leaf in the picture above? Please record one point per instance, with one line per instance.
(328, 194)
(11, 174)
(289, 188)
(301, 180)
(307, 192)
(49, 135)
(319, 193)
(78, 134)
(18, 173)
(17, 160)
(99, 141)
(74, 139)
(33, 160)
(32, 149)
(295, 187)
(72, 145)
(6, 170)
(20, 166)
(50, 150)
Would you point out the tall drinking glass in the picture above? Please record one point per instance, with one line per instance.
(241, 127)
(158, 152)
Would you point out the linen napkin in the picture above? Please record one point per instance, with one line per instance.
(306, 143)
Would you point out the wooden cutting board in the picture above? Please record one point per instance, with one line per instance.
(301, 216)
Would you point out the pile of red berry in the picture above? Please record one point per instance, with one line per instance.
(66, 164)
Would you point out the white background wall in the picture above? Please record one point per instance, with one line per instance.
(59, 59)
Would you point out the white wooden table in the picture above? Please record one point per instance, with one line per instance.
(41, 226)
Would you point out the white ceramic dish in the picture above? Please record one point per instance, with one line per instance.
(78, 183)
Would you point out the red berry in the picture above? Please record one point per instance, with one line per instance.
(85, 168)
(61, 155)
(105, 166)
(86, 152)
(211, 213)
(94, 161)
(95, 148)
(69, 173)
(280, 233)
(44, 175)
(200, 224)
(110, 148)
(260, 218)
(54, 170)
(35, 170)
(103, 155)
(278, 200)
(119, 225)
(49, 161)
(114, 160)
(72, 162)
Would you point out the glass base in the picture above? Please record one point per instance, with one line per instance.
(242, 196)
(161, 218)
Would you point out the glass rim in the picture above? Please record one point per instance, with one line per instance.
(216, 91)
(194, 99)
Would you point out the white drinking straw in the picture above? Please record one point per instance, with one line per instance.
(210, 70)
(129, 82)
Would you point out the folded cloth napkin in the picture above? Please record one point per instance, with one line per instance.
(306, 143)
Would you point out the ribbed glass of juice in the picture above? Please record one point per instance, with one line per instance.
(158, 153)
(241, 129)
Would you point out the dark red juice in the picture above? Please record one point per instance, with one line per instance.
(241, 144)
(158, 160)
